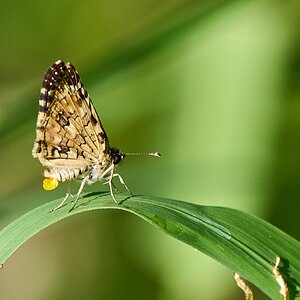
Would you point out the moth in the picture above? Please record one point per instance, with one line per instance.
(71, 142)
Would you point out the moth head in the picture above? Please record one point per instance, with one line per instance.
(116, 155)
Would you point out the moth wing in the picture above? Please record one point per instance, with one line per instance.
(69, 132)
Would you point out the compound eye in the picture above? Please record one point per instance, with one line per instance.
(117, 158)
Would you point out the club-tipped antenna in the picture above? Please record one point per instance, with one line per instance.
(156, 154)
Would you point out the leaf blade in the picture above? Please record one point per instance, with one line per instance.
(240, 241)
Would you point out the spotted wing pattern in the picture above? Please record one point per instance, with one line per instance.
(70, 138)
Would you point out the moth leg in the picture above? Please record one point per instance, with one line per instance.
(83, 182)
(110, 182)
(122, 182)
(110, 170)
(111, 185)
(65, 199)
(115, 187)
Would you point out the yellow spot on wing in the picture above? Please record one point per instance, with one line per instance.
(50, 184)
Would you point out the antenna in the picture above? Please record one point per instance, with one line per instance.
(156, 154)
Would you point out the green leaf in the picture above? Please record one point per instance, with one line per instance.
(242, 242)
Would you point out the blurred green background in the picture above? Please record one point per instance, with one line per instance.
(212, 85)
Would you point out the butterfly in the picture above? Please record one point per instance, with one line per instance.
(71, 142)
